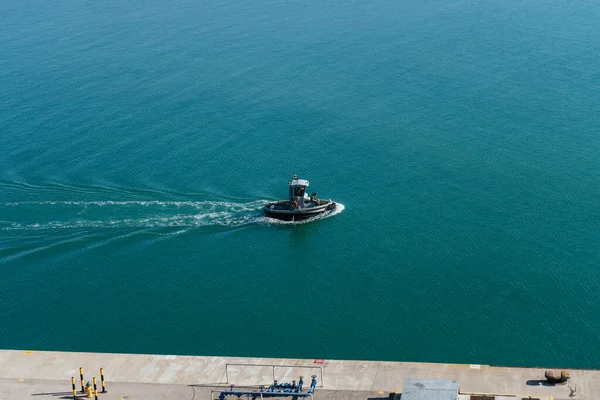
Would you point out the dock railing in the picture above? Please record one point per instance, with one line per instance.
(314, 368)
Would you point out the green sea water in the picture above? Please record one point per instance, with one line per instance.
(139, 140)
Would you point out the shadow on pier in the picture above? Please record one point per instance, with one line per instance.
(391, 396)
(60, 395)
(539, 382)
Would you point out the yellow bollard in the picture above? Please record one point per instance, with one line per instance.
(102, 380)
(81, 377)
(95, 389)
(74, 390)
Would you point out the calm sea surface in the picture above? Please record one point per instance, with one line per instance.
(139, 139)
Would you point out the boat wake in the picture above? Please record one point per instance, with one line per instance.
(54, 215)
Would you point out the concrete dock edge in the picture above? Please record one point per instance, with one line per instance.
(127, 370)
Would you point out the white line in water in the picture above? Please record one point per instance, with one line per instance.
(212, 214)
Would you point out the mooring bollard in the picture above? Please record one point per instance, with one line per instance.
(102, 380)
(74, 390)
(81, 377)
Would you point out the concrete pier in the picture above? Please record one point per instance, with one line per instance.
(41, 375)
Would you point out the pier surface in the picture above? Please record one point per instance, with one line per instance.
(47, 375)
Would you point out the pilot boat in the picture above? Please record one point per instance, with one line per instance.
(300, 205)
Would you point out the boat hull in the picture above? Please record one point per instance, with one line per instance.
(298, 214)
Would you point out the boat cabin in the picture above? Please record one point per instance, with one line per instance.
(297, 191)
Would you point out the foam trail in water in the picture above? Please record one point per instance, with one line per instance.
(126, 214)
(196, 204)
(136, 214)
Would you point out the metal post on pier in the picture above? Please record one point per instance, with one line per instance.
(102, 380)
(81, 377)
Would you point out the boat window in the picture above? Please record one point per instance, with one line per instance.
(300, 191)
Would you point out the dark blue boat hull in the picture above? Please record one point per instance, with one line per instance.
(298, 214)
